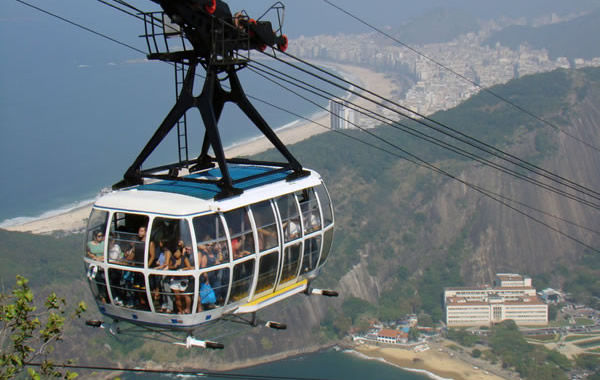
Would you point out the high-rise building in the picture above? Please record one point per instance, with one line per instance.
(341, 117)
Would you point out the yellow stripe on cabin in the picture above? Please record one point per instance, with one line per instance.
(277, 293)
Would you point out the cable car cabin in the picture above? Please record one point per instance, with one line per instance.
(167, 254)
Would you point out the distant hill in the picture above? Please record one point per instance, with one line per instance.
(436, 26)
(556, 38)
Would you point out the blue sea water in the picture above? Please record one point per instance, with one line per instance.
(74, 115)
(330, 365)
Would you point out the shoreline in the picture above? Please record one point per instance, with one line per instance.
(75, 218)
(435, 364)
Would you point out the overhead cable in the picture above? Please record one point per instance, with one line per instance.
(460, 136)
(570, 184)
(81, 26)
(196, 373)
(477, 188)
(531, 114)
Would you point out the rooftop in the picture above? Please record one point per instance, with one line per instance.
(182, 198)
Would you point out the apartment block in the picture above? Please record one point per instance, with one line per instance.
(511, 297)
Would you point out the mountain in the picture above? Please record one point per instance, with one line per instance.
(556, 38)
(438, 25)
(403, 232)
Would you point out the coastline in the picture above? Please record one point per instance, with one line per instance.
(75, 219)
(437, 365)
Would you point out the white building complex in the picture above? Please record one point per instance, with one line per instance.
(341, 117)
(511, 297)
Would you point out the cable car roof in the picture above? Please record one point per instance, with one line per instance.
(180, 198)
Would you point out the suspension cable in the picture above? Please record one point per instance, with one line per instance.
(437, 169)
(531, 114)
(198, 373)
(438, 142)
(469, 140)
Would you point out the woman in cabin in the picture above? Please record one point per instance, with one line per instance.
(210, 283)
(162, 263)
(95, 251)
(95, 247)
(179, 284)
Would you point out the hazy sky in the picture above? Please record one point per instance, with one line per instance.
(308, 17)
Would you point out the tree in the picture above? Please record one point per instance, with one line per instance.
(425, 320)
(413, 334)
(342, 325)
(27, 336)
(476, 353)
(552, 312)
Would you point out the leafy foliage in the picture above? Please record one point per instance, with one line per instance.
(531, 361)
(27, 336)
(463, 337)
(355, 307)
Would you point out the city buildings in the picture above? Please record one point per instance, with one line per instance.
(511, 297)
(443, 75)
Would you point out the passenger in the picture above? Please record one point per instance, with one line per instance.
(267, 238)
(202, 255)
(214, 277)
(95, 247)
(291, 230)
(222, 251)
(115, 254)
(127, 280)
(138, 278)
(179, 284)
(163, 260)
(313, 222)
(237, 246)
(236, 243)
(140, 246)
(95, 251)
(187, 251)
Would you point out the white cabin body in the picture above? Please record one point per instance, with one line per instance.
(168, 254)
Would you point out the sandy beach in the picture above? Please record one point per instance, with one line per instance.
(75, 219)
(436, 362)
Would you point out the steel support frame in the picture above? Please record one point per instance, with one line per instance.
(210, 104)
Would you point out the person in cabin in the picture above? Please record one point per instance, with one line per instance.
(165, 296)
(140, 246)
(179, 284)
(95, 247)
(115, 254)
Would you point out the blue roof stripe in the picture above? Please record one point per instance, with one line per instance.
(208, 191)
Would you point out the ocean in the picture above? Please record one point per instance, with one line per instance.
(89, 122)
(76, 109)
(330, 365)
